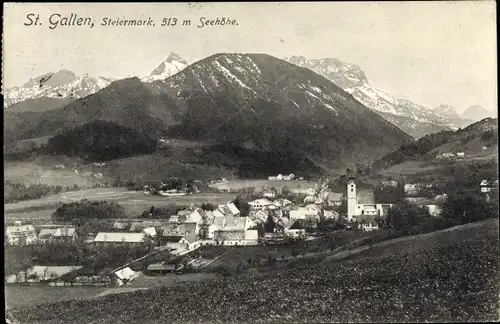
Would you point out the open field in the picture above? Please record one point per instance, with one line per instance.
(417, 167)
(170, 279)
(35, 295)
(452, 277)
(135, 202)
(30, 172)
(264, 184)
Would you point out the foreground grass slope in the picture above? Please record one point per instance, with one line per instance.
(452, 277)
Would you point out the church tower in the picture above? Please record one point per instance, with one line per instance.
(351, 199)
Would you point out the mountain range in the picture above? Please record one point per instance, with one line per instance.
(266, 109)
(412, 118)
(63, 84)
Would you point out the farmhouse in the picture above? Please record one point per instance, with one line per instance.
(121, 225)
(445, 156)
(125, 275)
(334, 198)
(229, 209)
(160, 269)
(363, 203)
(141, 225)
(295, 228)
(434, 210)
(488, 185)
(20, 235)
(269, 193)
(179, 230)
(40, 274)
(118, 238)
(259, 204)
(236, 237)
(61, 233)
(412, 189)
(460, 155)
(313, 200)
(150, 231)
(84, 277)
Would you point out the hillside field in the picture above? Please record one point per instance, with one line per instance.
(264, 184)
(452, 276)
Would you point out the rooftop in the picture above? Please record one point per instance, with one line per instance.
(120, 237)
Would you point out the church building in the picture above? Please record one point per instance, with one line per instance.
(362, 203)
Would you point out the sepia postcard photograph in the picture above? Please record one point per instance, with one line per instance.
(250, 162)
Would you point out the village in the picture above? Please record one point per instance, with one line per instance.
(170, 245)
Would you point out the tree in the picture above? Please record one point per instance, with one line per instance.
(468, 207)
(403, 215)
(269, 224)
(209, 206)
(242, 205)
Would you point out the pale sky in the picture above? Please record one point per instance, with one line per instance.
(428, 52)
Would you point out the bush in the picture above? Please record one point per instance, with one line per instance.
(19, 191)
(80, 212)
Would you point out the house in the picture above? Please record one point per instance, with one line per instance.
(282, 203)
(233, 223)
(197, 216)
(261, 216)
(368, 227)
(179, 229)
(389, 183)
(312, 211)
(41, 273)
(20, 235)
(331, 214)
(488, 186)
(150, 231)
(118, 238)
(281, 224)
(236, 237)
(460, 155)
(141, 225)
(85, 276)
(59, 233)
(334, 199)
(160, 269)
(46, 234)
(259, 204)
(484, 148)
(445, 156)
(269, 194)
(174, 233)
(295, 228)
(121, 225)
(434, 210)
(216, 214)
(125, 275)
(229, 209)
(190, 242)
(66, 233)
(291, 176)
(313, 200)
(412, 189)
(298, 213)
(230, 224)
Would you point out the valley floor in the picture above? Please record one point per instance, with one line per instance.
(135, 202)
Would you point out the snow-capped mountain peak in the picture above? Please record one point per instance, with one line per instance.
(447, 110)
(62, 84)
(172, 65)
(414, 119)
